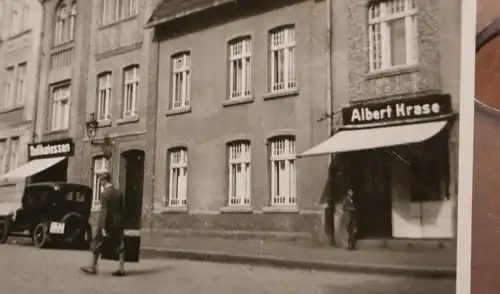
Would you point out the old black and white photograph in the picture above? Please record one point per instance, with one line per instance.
(230, 146)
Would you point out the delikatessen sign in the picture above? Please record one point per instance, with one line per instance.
(58, 148)
(397, 110)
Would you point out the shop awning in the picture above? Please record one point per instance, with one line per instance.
(31, 168)
(371, 138)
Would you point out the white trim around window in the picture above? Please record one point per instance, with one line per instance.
(131, 91)
(21, 83)
(3, 156)
(181, 80)
(240, 68)
(283, 172)
(239, 173)
(113, 11)
(60, 107)
(8, 88)
(178, 175)
(104, 94)
(13, 153)
(392, 34)
(282, 63)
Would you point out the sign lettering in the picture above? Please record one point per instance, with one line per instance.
(422, 107)
(51, 149)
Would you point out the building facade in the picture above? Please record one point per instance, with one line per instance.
(240, 90)
(400, 126)
(20, 37)
(117, 92)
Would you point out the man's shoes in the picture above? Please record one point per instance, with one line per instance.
(89, 271)
(119, 273)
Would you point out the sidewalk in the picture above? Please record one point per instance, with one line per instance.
(429, 264)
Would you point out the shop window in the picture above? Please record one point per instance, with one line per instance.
(429, 166)
(177, 177)
(239, 167)
(283, 171)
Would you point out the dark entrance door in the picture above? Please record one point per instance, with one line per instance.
(371, 181)
(131, 183)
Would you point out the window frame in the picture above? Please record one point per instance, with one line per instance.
(290, 160)
(3, 155)
(289, 48)
(185, 71)
(233, 161)
(104, 167)
(115, 11)
(244, 56)
(107, 91)
(20, 84)
(65, 22)
(60, 126)
(13, 153)
(9, 87)
(378, 18)
(134, 82)
(181, 167)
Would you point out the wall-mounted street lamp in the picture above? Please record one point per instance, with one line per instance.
(106, 143)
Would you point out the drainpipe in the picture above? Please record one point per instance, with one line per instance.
(34, 116)
(329, 107)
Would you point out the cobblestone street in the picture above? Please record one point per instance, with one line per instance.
(26, 270)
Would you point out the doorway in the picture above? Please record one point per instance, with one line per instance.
(131, 184)
(370, 178)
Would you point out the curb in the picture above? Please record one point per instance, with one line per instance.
(220, 257)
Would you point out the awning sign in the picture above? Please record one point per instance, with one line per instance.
(48, 149)
(397, 110)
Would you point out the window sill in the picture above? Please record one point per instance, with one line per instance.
(7, 183)
(179, 110)
(394, 71)
(127, 120)
(281, 94)
(104, 123)
(238, 101)
(18, 34)
(55, 132)
(281, 209)
(62, 46)
(11, 109)
(236, 209)
(115, 23)
(172, 209)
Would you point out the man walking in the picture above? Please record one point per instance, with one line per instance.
(349, 215)
(109, 227)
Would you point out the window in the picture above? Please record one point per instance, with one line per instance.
(26, 17)
(104, 96)
(3, 156)
(115, 10)
(429, 166)
(392, 28)
(13, 153)
(21, 83)
(131, 91)
(181, 80)
(178, 178)
(239, 173)
(60, 107)
(100, 166)
(64, 28)
(283, 182)
(283, 59)
(240, 67)
(8, 88)
(15, 23)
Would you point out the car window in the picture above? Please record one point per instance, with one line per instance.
(80, 196)
(68, 195)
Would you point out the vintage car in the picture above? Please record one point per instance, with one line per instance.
(51, 213)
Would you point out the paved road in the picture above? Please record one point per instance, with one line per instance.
(26, 270)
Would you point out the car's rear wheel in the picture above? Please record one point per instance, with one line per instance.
(41, 235)
(4, 229)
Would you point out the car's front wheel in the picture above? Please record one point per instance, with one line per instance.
(41, 235)
(4, 229)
